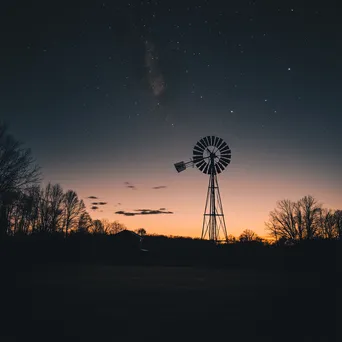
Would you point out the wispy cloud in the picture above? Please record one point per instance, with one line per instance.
(143, 212)
(94, 207)
(130, 186)
(159, 187)
(99, 203)
(93, 197)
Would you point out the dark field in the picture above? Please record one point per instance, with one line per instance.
(123, 303)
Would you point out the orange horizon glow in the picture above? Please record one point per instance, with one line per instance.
(247, 195)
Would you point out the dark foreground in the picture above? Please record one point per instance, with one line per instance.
(126, 303)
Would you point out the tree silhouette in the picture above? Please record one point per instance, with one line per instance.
(18, 172)
(85, 223)
(247, 236)
(74, 209)
(338, 222)
(295, 220)
(141, 231)
(104, 226)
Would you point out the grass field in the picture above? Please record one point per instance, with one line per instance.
(112, 303)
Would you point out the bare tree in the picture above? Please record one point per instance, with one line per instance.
(282, 223)
(98, 227)
(17, 167)
(74, 208)
(51, 208)
(311, 213)
(295, 220)
(327, 224)
(338, 221)
(248, 236)
(104, 226)
(18, 171)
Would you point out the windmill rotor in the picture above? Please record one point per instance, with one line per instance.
(211, 153)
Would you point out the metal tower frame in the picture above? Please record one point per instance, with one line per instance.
(213, 219)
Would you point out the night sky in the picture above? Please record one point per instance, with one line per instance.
(109, 95)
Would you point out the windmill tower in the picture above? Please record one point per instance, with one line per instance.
(211, 155)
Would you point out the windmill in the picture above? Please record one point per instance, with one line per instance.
(211, 155)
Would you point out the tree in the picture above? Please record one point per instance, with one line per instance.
(85, 223)
(141, 231)
(248, 236)
(51, 208)
(104, 226)
(98, 227)
(327, 224)
(311, 212)
(18, 171)
(282, 224)
(74, 209)
(295, 220)
(338, 221)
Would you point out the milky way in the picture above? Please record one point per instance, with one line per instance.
(154, 75)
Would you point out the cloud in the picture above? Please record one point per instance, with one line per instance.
(143, 212)
(121, 212)
(154, 75)
(99, 203)
(130, 186)
(93, 197)
(159, 187)
(94, 207)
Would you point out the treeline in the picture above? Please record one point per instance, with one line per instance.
(26, 208)
(304, 220)
(50, 210)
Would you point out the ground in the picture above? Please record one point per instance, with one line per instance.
(111, 303)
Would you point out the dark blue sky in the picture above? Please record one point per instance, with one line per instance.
(95, 87)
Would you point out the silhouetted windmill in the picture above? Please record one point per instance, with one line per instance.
(211, 155)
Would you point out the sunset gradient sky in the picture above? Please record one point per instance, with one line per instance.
(117, 92)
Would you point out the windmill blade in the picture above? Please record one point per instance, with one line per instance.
(221, 165)
(213, 139)
(197, 159)
(218, 142)
(204, 143)
(200, 145)
(206, 139)
(225, 159)
(226, 155)
(198, 150)
(200, 163)
(225, 150)
(224, 162)
(218, 170)
(206, 169)
(202, 166)
(197, 154)
(222, 145)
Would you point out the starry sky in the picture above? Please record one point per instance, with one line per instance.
(109, 95)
